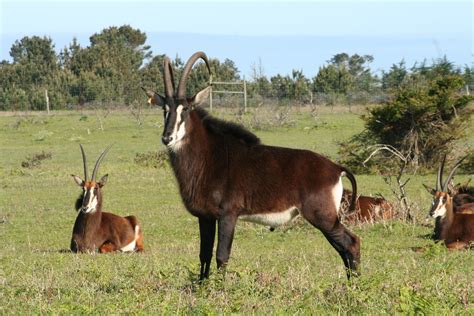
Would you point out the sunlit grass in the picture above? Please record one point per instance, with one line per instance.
(290, 270)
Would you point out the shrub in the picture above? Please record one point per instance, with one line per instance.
(426, 115)
(36, 159)
(152, 159)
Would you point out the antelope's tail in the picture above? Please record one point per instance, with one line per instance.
(352, 179)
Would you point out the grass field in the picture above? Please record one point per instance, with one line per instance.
(291, 270)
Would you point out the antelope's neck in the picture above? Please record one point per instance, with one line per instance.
(87, 223)
(447, 220)
(189, 162)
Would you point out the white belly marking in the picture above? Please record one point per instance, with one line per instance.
(272, 219)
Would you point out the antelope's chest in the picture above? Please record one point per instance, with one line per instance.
(273, 219)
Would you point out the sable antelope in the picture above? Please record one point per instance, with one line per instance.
(95, 229)
(367, 209)
(463, 196)
(225, 173)
(455, 228)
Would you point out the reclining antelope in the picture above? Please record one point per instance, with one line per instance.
(454, 222)
(96, 230)
(367, 209)
(224, 173)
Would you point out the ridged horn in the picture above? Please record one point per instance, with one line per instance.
(440, 175)
(84, 160)
(168, 77)
(99, 160)
(187, 70)
(451, 174)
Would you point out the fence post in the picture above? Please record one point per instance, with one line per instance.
(245, 96)
(47, 100)
(210, 98)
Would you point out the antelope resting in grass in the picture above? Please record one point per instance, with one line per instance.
(454, 224)
(367, 209)
(225, 173)
(96, 230)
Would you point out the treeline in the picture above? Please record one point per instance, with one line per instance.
(118, 62)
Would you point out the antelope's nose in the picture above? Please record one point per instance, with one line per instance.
(166, 139)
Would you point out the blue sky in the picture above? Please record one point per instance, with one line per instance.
(282, 35)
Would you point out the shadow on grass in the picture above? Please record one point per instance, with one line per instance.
(51, 251)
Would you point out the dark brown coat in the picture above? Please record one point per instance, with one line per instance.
(224, 173)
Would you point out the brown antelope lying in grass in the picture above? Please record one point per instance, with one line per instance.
(367, 209)
(96, 230)
(455, 223)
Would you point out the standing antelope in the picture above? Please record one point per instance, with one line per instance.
(367, 209)
(454, 226)
(225, 173)
(95, 229)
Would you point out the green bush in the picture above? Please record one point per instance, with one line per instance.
(423, 119)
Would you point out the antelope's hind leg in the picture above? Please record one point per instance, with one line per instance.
(139, 247)
(346, 243)
(139, 236)
(107, 247)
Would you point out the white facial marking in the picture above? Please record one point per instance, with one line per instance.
(440, 210)
(179, 130)
(91, 205)
(272, 219)
(337, 193)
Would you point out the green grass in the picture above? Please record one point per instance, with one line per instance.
(290, 270)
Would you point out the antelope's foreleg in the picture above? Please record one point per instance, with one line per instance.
(73, 246)
(457, 245)
(226, 226)
(207, 233)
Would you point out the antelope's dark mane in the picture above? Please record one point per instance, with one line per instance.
(79, 200)
(466, 190)
(221, 127)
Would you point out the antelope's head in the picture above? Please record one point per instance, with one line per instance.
(92, 196)
(176, 106)
(442, 197)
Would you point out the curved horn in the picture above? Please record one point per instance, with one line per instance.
(84, 160)
(187, 70)
(451, 174)
(440, 174)
(97, 164)
(168, 77)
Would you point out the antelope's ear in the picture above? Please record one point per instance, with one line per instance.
(430, 190)
(452, 188)
(154, 98)
(199, 97)
(78, 180)
(103, 180)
